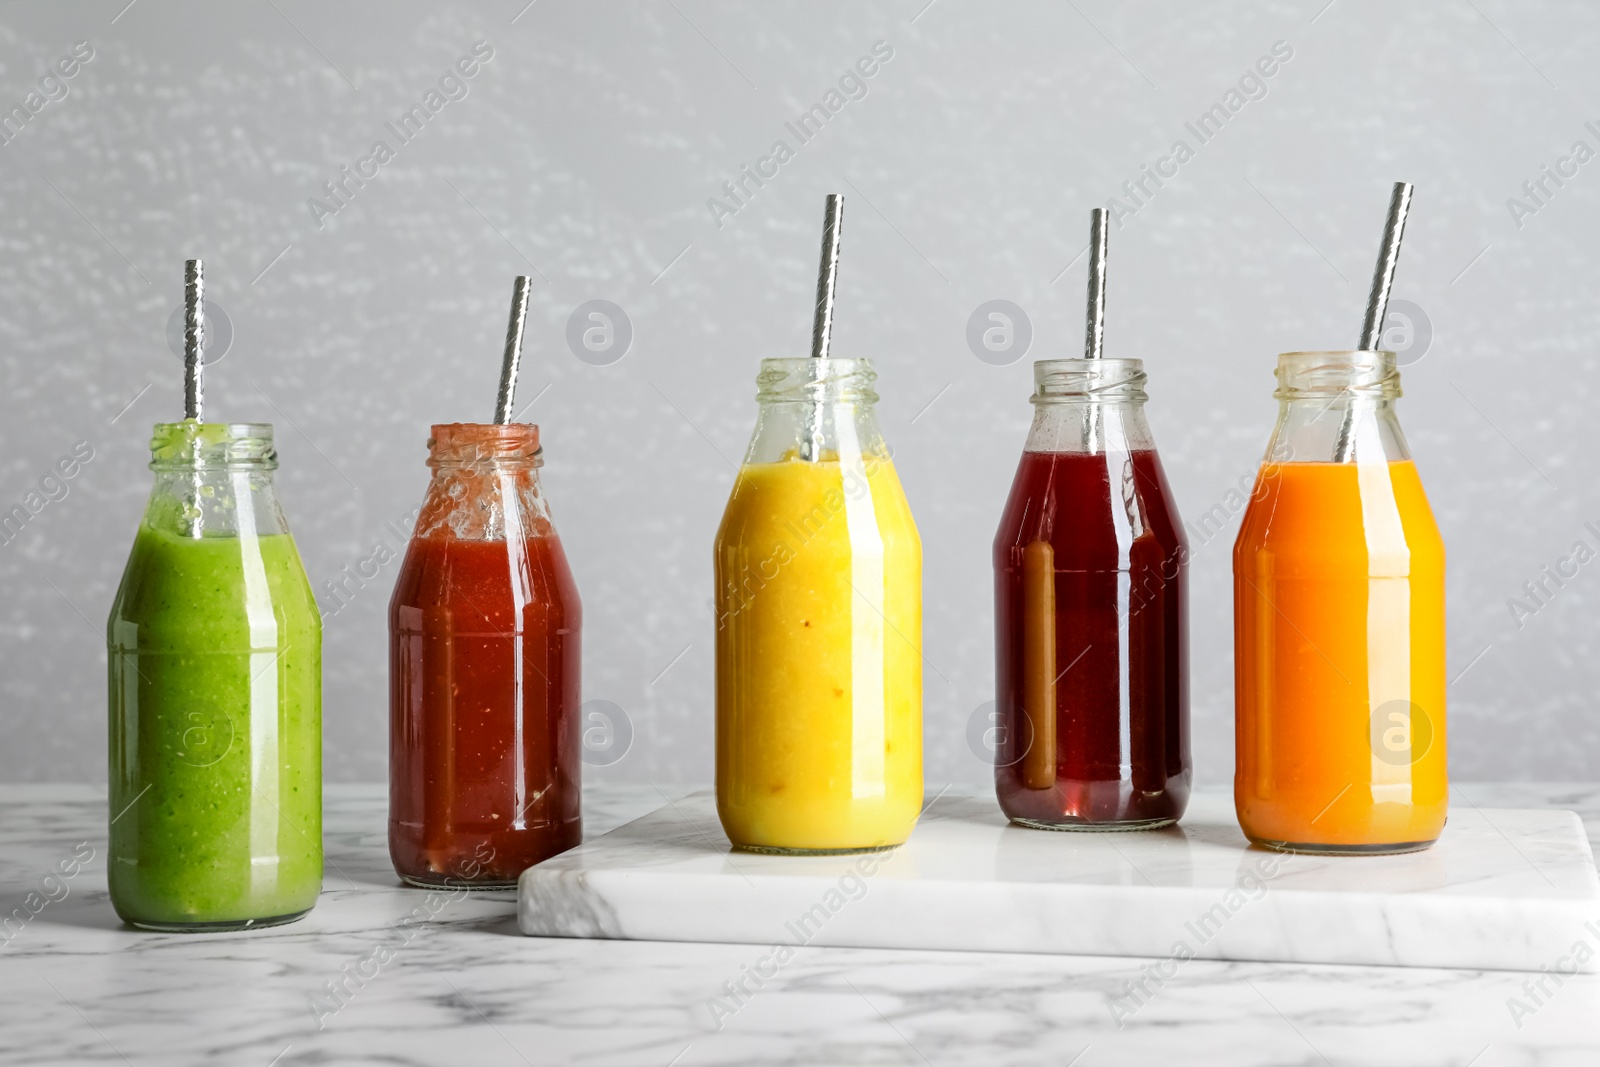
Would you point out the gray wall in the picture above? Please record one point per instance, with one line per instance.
(585, 151)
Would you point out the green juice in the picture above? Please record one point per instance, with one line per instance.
(216, 732)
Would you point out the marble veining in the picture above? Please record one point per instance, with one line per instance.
(77, 987)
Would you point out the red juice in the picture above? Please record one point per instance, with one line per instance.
(484, 743)
(1091, 644)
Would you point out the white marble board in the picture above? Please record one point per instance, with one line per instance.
(1502, 890)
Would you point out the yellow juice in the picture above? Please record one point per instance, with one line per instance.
(819, 657)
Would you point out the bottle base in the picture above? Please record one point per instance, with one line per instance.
(1094, 805)
(774, 850)
(1322, 849)
(446, 882)
(1094, 827)
(225, 926)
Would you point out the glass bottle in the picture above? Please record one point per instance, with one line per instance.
(215, 696)
(819, 624)
(1339, 638)
(484, 744)
(1091, 613)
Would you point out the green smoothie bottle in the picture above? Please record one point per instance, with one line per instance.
(214, 650)
(215, 669)
(215, 696)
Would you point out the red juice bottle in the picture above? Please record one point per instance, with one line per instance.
(484, 737)
(1091, 631)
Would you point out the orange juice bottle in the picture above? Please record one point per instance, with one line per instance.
(1339, 639)
(819, 624)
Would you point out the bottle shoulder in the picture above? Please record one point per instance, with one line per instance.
(228, 589)
(491, 578)
(1098, 509)
(817, 502)
(1373, 514)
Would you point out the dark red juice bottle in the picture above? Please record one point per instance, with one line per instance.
(1091, 637)
(484, 743)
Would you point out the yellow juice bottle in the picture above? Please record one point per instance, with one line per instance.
(819, 624)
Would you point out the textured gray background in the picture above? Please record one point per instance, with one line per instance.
(586, 151)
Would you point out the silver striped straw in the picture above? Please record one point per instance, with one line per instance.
(811, 443)
(1394, 229)
(1095, 334)
(827, 276)
(194, 339)
(513, 357)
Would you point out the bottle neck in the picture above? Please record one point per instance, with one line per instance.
(1337, 407)
(816, 410)
(1088, 406)
(237, 500)
(485, 446)
(1089, 426)
(1342, 428)
(213, 480)
(829, 431)
(485, 501)
(485, 484)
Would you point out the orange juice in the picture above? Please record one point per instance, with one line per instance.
(819, 657)
(1339, 660)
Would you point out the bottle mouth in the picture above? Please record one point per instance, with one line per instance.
(482, 444)
(191, 445)
(1330, 375)
(815, 381)
(1089, 381)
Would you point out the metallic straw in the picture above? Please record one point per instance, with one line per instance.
(1394, 228)
(508, 368)
(194, 339)
(1383, 275)
(1095, 334)
(822, 323)
(827, 276)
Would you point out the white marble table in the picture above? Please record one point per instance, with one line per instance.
(465, 986)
